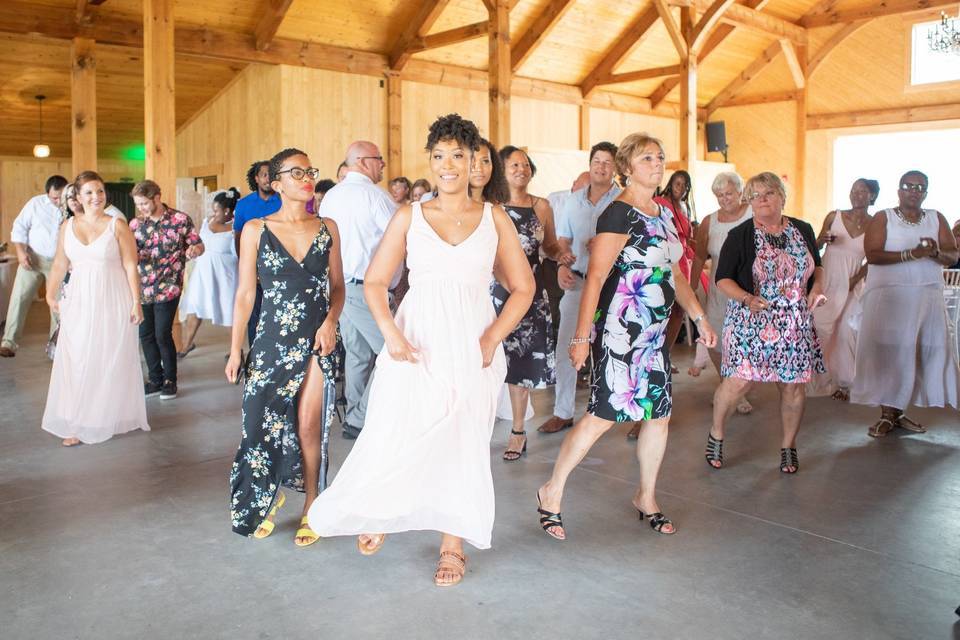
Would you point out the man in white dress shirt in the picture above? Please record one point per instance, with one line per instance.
(362, 211)
(576, 226)
(34, 236)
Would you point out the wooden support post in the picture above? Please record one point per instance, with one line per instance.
(585, 127)
(83, 105)
(688, 97)
(500, 74)
(801, 144)
(159, 107)
(394, 125)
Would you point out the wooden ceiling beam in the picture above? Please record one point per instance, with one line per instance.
(745, 76)
(842, 34)
(427, 14)
(270, 20)
(795, 63)
(673, 29)
(622, 47)
(541, 27)
(925, 113)
(641, 74)
(875, 10)
(719, 35)
(742, 16)
(449, 37)
(763, 98)
(706, 24)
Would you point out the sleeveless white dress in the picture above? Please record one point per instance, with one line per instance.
(835, 320)
(422, 461)
(716, 300)
(96, 386)
(904, 355)
(213, 281)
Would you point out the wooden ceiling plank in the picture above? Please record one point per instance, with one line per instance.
(541, 27)
(451, 36)
(427, 14)
(842, 34)
(622, 47)
(876, 10)
(719, 35)
(673, 29)
(706, 24)
(794, 63)
(272, 17)
(745, 76)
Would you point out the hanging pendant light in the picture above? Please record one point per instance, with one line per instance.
(40, 150)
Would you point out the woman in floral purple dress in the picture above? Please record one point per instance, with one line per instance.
(628, 294)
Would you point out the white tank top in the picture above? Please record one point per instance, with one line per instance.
(901, 236)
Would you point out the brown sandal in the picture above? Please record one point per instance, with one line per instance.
(904, 422)
(450, 562)
(880, 428)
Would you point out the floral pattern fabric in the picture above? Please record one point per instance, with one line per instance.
(530, 347)
(161, 247)
(631, 362)
(295, 303)
(778, 344)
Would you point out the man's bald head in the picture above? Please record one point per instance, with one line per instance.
(364, 157)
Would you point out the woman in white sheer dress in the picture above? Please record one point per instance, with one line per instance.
(422, 461)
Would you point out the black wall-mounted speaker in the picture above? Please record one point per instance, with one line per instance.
(716, 136)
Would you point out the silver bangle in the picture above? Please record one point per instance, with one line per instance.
(574, 341)
(698, 319)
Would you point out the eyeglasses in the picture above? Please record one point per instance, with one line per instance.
(297, 173)
(377, 158)
(916, 187)
(766, 195)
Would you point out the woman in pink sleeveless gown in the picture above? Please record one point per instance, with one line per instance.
(422, 461)
(95, 387)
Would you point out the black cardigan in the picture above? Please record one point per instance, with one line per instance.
(739, 252)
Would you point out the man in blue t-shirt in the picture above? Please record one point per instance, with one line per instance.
(259, 204)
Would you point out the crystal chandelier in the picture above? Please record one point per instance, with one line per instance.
(945, 37)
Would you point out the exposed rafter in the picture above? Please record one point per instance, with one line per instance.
(84, 8)
(719, 35)
(795, 63)
(673, 29)
(642, 74)
(745, 76)
(427, 14)
(451, 36)
(706, 24)
(875, 10)
(924, 113)
(272, 16)
(763, 98)
(842, 34)
(742, 16)
(542, 25)
(623, 46)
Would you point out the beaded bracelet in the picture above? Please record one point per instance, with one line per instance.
(574, 341)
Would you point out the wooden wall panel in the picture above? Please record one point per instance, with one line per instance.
(613, 126)
(238, 127)
(545, 125)
(322, 112)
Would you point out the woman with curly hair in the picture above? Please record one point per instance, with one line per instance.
(422, 461)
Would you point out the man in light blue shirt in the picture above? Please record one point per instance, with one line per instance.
(576, 226)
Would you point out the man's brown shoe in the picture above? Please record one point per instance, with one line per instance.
(555, 424)
(7, 352)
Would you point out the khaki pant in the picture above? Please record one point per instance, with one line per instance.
(25, 287)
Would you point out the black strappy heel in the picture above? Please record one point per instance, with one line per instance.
(511, 455)
(789, 458)
(714, 452)
(549, 520)
(658, 521)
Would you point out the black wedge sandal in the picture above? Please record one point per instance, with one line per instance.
(789, 458)
(550, 520)
(714, 452)
(658, 521)
(511, 455)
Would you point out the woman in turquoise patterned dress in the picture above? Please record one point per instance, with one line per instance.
(628, 294)
(289, 394)
(769, 268)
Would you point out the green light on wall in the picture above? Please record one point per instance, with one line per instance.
(135, 152)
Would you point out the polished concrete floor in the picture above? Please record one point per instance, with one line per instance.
(131, 538)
